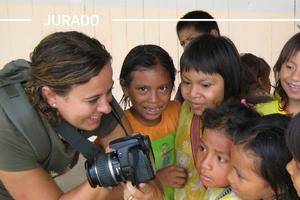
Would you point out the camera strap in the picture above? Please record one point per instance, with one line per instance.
(78, 140)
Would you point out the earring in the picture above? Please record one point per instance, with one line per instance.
(54, 105)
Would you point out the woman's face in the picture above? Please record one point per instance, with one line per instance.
(85, 104)
(293, 167)
(202, 90)
(244, 180)
(289, 75)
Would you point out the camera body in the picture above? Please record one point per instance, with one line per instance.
(131, 159)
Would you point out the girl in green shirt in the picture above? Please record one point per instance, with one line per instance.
(287, 76)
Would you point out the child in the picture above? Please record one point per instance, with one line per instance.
(210, 73)
(257, 72)
(258, 157)
(147, 79)
(287, 75)
(213, 156)
(293, 143)
(188, 30)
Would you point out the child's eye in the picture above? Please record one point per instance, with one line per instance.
(222, 159)
(206, 85)
(290, 67)
(201, 148)
(185, 82)
(143, 89)
(239, 175)
(163, 88)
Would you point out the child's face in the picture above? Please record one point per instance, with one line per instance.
(290, 77)
(150, 92)
(213, 158)
(243, 178)
(293, 167)
(202, 90)
(186, 35)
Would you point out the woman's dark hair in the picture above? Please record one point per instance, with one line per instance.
(228, 115)
(289, 49)
(145, 57)
(264, 138)
(293, 137)
(212, 55)
(60, 61)
(200, 26)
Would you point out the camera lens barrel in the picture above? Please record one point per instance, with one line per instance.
(131, 160)
(101, 172)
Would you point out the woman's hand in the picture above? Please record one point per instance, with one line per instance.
(172, 176)
(146, 191)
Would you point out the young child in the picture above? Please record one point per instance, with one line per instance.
(213, 155)
(293, 142)
(210, 73)
(287, 76)
(257, 75)
(258, 157)
(147, 79)
(188, 30)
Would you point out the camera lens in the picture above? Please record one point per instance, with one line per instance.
(130, 161)
(101, 171)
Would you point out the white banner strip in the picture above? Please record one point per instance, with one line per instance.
(220, 20)
(15, 20)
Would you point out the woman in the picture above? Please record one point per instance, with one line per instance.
(70, 81)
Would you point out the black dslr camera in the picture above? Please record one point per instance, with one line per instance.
(130, 160)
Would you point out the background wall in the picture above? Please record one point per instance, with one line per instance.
(263, 38)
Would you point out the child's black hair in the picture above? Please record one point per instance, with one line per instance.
(256, 71)
(291, 47)
(265, 138)
(145, 57)
(211, 55)
(229, 115)
(293, 137)
(204, 27)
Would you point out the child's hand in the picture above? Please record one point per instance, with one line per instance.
(146, 191)
(172, 176)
